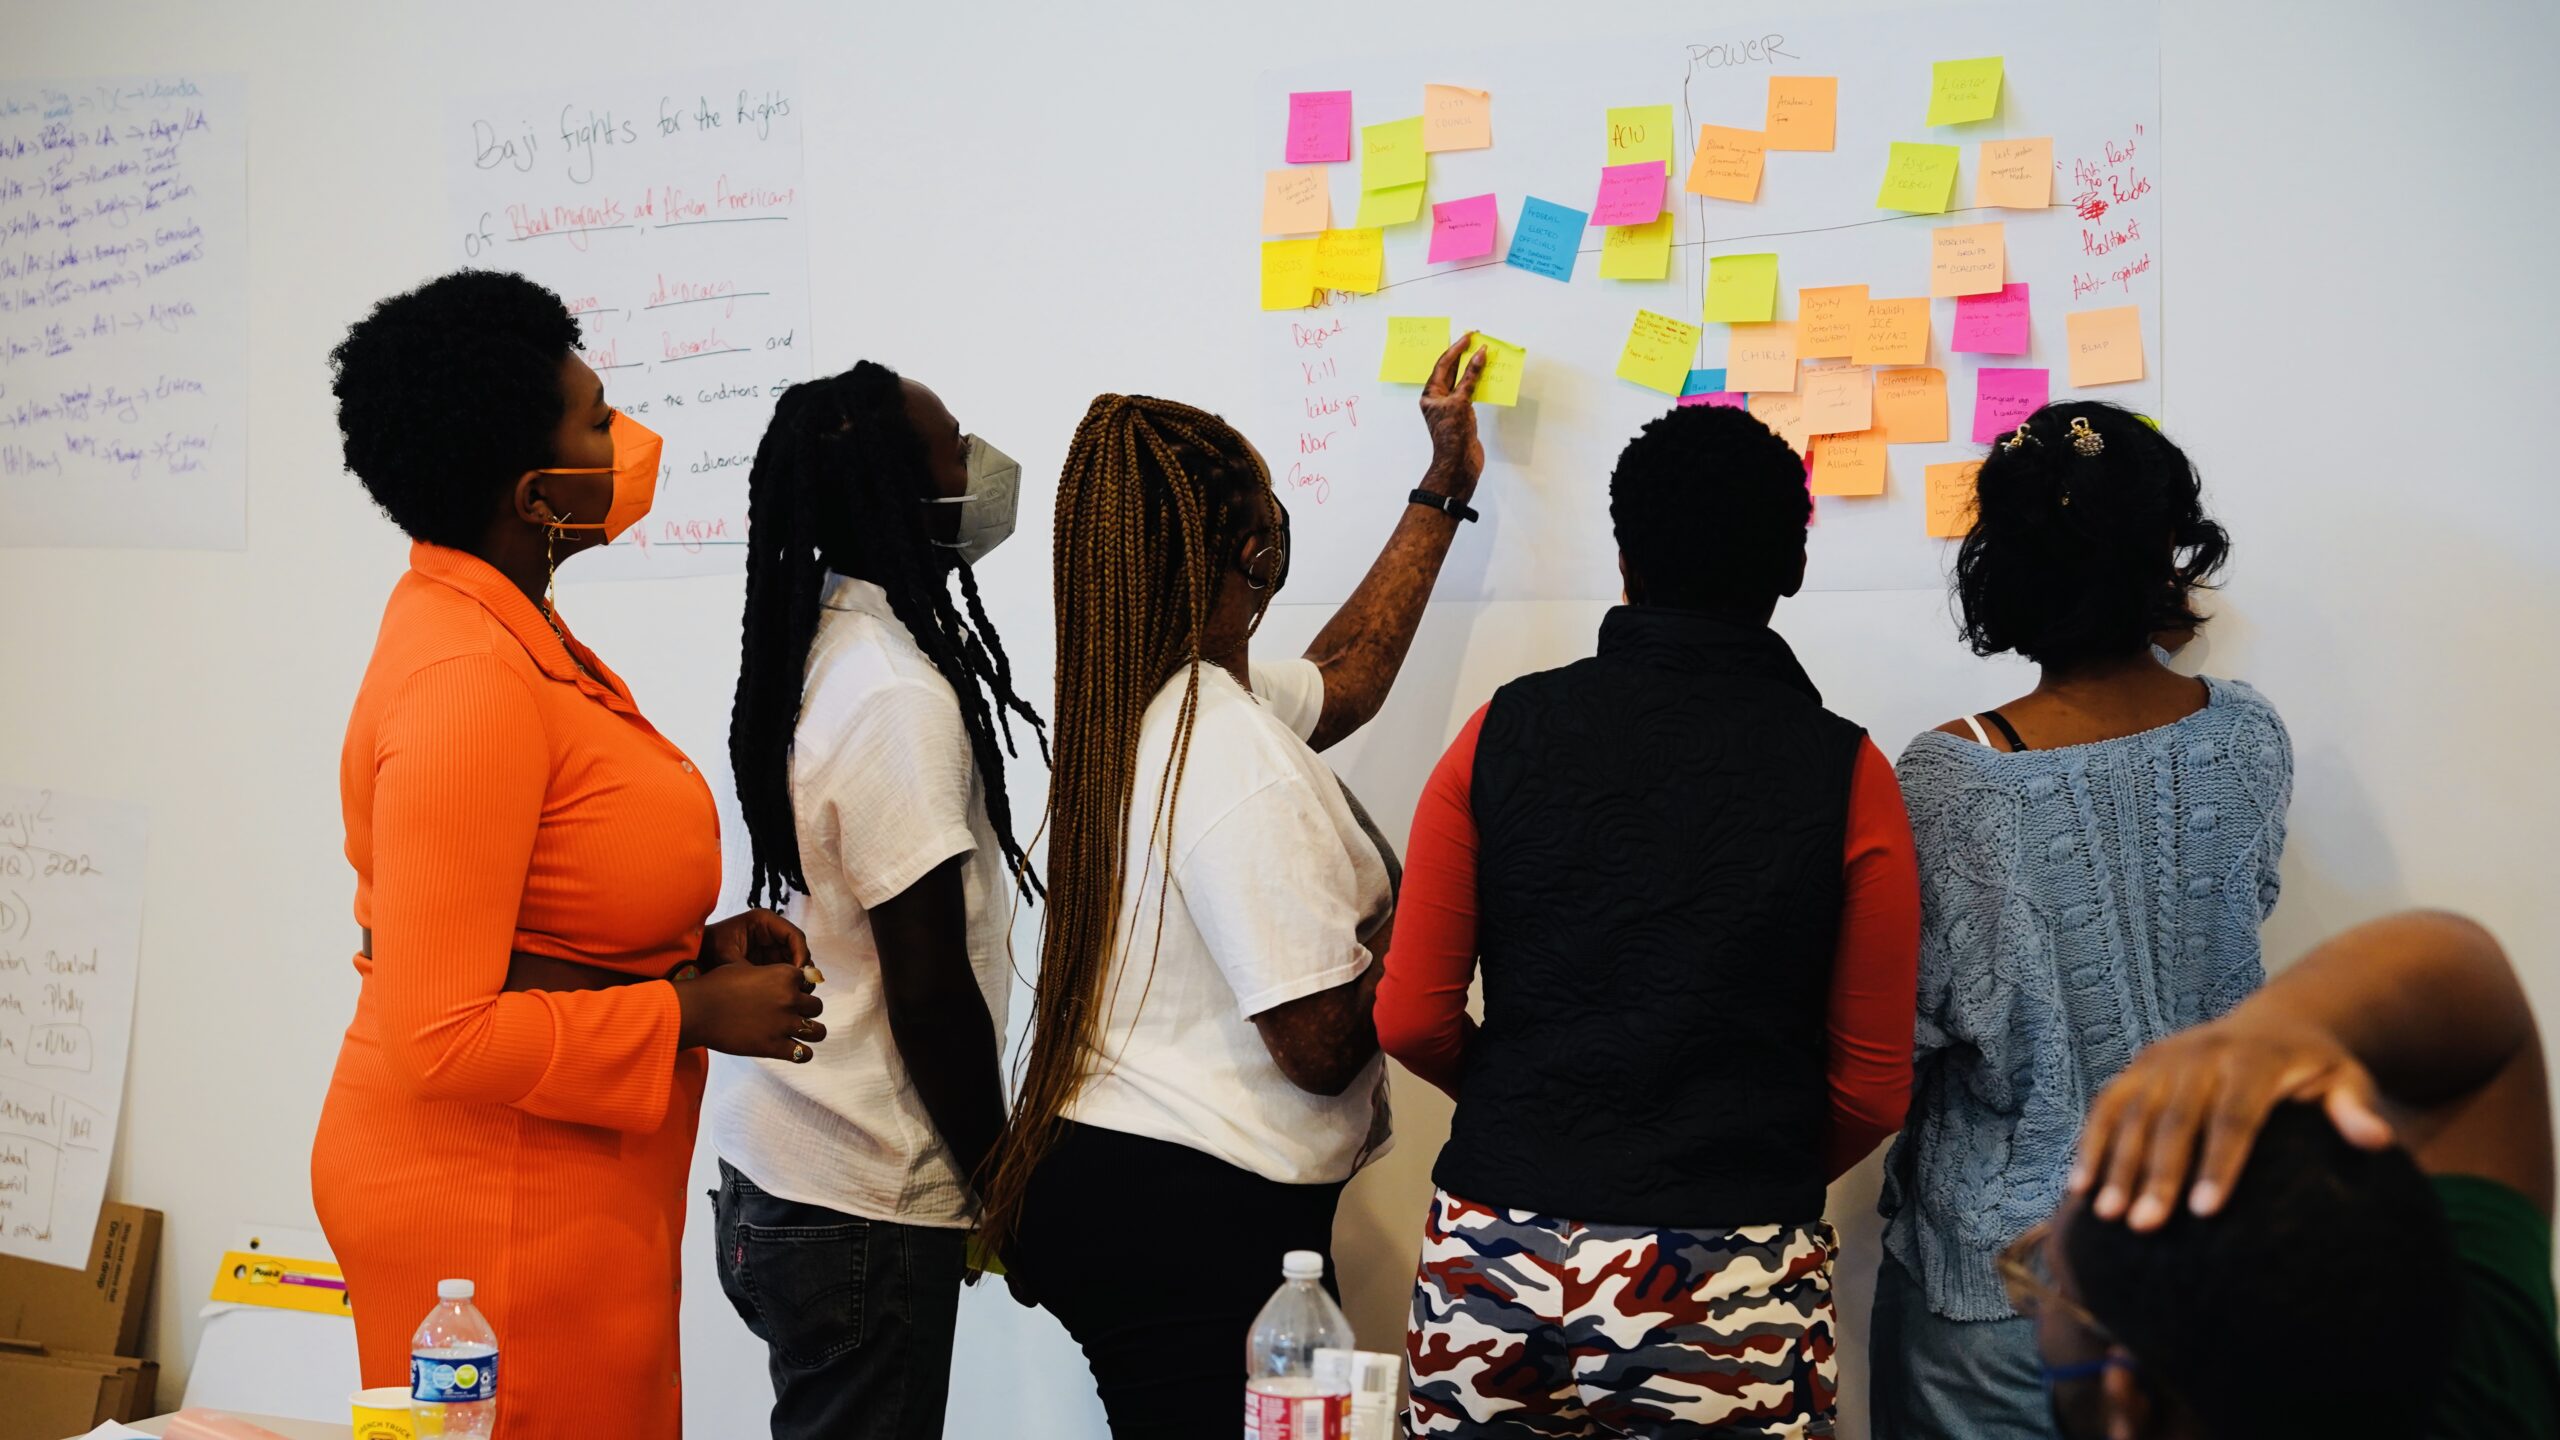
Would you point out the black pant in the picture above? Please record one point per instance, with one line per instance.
(1156, 1258)
(856, 1315)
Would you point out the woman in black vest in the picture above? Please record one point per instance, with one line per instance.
(1692, 893)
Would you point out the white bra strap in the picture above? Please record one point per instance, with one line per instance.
(1975, 725)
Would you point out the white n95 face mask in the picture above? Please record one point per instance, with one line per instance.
(994, 494)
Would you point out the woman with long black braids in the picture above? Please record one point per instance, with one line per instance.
(864, 740)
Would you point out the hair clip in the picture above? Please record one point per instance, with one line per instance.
(2018, 438)
(2084, 439)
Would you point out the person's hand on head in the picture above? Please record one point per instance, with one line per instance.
(1448, 408)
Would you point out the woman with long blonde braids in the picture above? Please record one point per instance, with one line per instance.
(1203, 1071)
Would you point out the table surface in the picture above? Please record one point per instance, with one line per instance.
(289, 1429)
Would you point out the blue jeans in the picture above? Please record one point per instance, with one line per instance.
(856, 1315)
(1932, 1378)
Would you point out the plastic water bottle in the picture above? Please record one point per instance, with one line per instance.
(1283, 1397)
(453, 1367)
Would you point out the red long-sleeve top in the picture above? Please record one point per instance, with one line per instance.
(1422, 999)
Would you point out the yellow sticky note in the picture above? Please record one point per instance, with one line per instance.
(1849, 464)
(1896, 333)
(1636, 252)
(1803, 111)
(1503, 362)
(1353, 260)
(1837, 399)
(1658, 352)
(1963, 91)
(1950, 489)
(1296, 200)
(1918, 179)
(2014, 174)
(1911, 405)
(1727, 165)
(1968, 259)
(1395, 205)
(1742, 289)
(1829, 319)
(1782, 413)
(1288, 273)
(1761, 357)
(1639, 132)
(2105, 345)
(1414, 343)
(1391, 154)
(1456, 118)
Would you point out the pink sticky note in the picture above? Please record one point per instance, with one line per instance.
(1630, 194)
(2002, 398)
(1993, 324)
(1319, 127)
(1462, 229)
(1721, 399)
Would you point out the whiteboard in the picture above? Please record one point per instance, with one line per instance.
(1345, 448)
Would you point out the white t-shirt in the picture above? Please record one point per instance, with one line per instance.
(1271, 883)
(884, 788)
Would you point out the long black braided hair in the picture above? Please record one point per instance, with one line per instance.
(837, 485)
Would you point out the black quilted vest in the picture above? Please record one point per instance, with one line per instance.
(1658, 897)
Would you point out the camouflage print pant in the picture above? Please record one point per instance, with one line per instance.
(1526, 1326)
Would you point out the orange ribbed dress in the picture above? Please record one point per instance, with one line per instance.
(537, 1142)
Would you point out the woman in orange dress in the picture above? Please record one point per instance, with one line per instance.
(515, 1100)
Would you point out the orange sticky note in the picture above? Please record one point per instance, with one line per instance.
(1911, 405)
(2014, 174)
(1296, 201)
(1837, 399)
(1849, 464)
(1968, 259)
(1784, 414)
(1803, 110)
(1950, 489)
(1828, 321)
(1727, 165)
(1761, 357)
(2105, 345)
(1896, 333)
(1456, 118)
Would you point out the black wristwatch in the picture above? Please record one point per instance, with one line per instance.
(1449, 505)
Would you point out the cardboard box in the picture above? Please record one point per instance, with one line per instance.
(97, 1310)
(48, 1396)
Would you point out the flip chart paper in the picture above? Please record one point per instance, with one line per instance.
(1742, 289)
(1391, 154)
(1968, 259)
(1395, 205)
(1463, 229)
(1296, 201)
(1803, 111)
(1288, 273)
(1657, 352)
(1896, 333)
(1500, 382)
(2002, 398)
(1727, 165)
(1547, 238)
(1995, 324)
(2105, 345)
(1319, 127)
(1353, 260)
(1963, 91)
(1851, 464)
(1918, 179)
(1414, 343)
(2014, 174)
(1636, 252)
(1829, 320)
(1911, 405)
(1629, 194)
(1456, 118)
(1762, 358)
(1837, 398)
(1950, 488)
(1639, 132)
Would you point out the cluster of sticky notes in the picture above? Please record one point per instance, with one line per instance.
(1394, 173)
(1414, 343)
(1657, 352)
(1547, 238)
(1463, 229)
(1742, 289)
(1503, 362)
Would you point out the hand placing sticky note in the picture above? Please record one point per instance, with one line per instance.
(1629, 194)
(2003, 398)
(1658, 351)
(1918, 179)
(1829, 319)
(1503, 362)
(1395, 205)
(1994, 324)
(1414, 343)
(1727, 164)
(1702, 382)
(1762, 358)
(1636, 252)
(1963, 91)
(1951, 498)
(1968, 259)
(1547, 238)
(2014, 174)
(1911, 405)
(2105, 345)
(1319, 127)
(1391, 154)
(1463, 229)
(1296, 201)
(1456, 118)
(1783, 413)
(1742, 289)
(1896, 333)
(1353, 260)
(1848, 464)
(1837, 398)
(1803, 111)
(1288, 273)
(1639, 132)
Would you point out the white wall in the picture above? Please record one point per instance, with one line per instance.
(1013, 201)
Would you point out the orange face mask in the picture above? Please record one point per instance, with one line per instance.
(635, 478)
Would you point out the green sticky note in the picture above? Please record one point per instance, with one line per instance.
(1742, 290)
(1963, 91)
(1636, 252)
(1395, 205)
(1500, 382)
(1639, 132)
(1920, 179)
(1658, 352)
(1391, 154)
(1414, 343)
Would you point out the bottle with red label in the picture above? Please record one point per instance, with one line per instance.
(1283, 1397)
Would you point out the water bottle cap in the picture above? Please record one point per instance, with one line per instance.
(454, 1290)
(1302, 1265)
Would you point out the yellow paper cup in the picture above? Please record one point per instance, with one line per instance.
(382, 1413)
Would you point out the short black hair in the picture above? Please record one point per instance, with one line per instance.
(447, 393)
(2295, 1310)
(1710, 509)
(2075, 557)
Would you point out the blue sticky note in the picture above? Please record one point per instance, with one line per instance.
(1703, 382)
(1545, 240)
